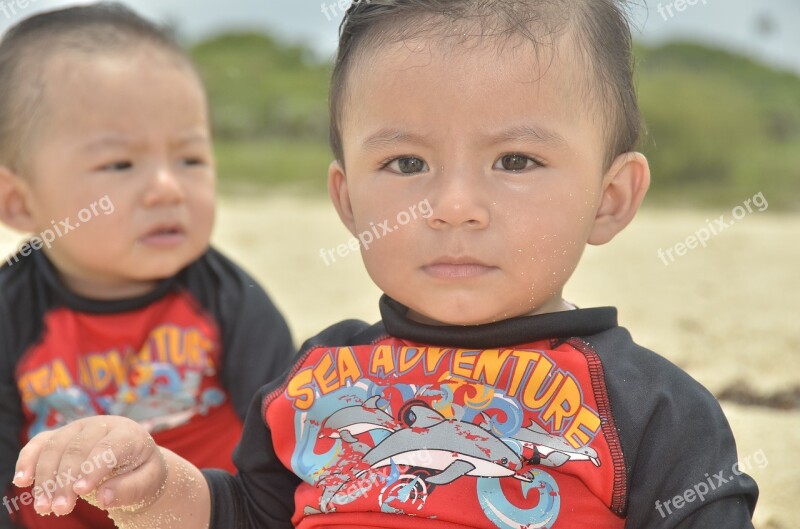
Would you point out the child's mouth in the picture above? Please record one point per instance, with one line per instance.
(452, 268)
(165, 236)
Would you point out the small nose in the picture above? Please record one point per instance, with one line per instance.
(458, 201)
(163, 188)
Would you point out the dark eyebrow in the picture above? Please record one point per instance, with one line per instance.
(387, 137)
(529, 134)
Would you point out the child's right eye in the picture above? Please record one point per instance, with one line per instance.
(117, 166)
(407, 165)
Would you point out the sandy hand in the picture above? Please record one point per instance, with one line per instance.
(111, 461)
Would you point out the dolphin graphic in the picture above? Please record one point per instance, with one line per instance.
(553, 450)
(354, 420)
(453, 448)
(449, 448)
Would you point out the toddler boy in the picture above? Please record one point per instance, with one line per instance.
(481, 399)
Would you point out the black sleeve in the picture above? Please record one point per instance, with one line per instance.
(10, 417)
(679, 450)
(261, 495)
(256, 343)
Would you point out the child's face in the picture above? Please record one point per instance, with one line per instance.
(135, 129)
(456, 126)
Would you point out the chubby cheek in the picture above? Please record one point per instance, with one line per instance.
(203, 214)
(389, 256)
(390, 248)
(113, 228)
(89, 241)
(548, 250)
(63, 206)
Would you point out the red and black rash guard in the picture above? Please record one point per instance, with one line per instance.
(184, 360)
(550, 421)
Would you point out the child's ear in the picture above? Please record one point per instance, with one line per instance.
(14, 210)
(340, 196)
(624, 187)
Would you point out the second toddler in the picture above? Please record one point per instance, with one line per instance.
(118, 306)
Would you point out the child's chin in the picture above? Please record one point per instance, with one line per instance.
(162, 265)
(159, 271)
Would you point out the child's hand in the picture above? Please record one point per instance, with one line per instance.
(110, 461)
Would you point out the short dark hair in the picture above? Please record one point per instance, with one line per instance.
(602, 33)
(98, 28)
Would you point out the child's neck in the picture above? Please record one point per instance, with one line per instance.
(96, 285)
(106, 291)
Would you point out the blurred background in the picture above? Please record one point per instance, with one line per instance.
(719, 86)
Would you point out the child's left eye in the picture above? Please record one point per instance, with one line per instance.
(193, 161)
(515, 163)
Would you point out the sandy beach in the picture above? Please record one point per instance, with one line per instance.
(727, 312)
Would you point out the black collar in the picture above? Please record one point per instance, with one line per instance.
(505, 333)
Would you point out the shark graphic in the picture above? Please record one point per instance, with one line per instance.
(352, 421)
(553, 450)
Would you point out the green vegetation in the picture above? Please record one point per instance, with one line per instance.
(269, 162)
(721, 127)
(270, 113)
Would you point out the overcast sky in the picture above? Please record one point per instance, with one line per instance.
(729, 23)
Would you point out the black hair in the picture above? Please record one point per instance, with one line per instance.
(24, 50)
(600, 27)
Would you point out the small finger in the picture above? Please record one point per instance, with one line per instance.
(75, 463)
(47, 481)
(25, 469)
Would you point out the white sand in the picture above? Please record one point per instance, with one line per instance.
(726, 313)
